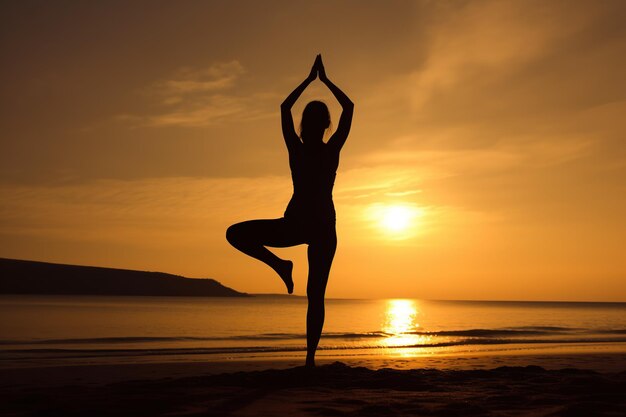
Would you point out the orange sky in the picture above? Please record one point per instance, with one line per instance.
(134, 133)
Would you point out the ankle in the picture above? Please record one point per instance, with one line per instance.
(310, 362)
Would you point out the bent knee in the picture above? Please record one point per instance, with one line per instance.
(233, 234)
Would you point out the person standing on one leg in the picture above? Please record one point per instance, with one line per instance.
(310, 214)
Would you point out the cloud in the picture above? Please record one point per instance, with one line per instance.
(187, 81)
(527, 153)
(200, 97)
(200, 112)
(166, 211)
(510, 94)
(493, 39)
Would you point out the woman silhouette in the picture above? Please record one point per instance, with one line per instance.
(310, 215)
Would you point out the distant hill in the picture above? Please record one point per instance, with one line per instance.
(30, 277)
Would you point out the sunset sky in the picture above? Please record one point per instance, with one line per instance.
(487, 157)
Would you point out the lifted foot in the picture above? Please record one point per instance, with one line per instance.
(285, 274)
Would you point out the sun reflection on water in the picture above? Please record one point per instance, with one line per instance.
(400, 322)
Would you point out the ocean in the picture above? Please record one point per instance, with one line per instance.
(91, 328)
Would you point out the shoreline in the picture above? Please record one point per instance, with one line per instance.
(608, 358)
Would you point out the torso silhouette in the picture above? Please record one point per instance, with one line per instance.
(313, 170)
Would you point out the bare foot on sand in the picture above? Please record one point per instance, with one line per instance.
(285, 274)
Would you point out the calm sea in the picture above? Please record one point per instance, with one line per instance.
(35, 327)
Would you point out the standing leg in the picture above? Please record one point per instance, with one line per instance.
(252, 236)
(321, 253)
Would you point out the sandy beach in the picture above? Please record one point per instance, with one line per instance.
(367, 385)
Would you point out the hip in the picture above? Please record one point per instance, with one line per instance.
(318, 212)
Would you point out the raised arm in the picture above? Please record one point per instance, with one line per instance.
(289, 132)
(345, 121)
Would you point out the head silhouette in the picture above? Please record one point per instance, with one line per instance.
(315, 120)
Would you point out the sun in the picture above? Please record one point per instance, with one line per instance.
(397, 220)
